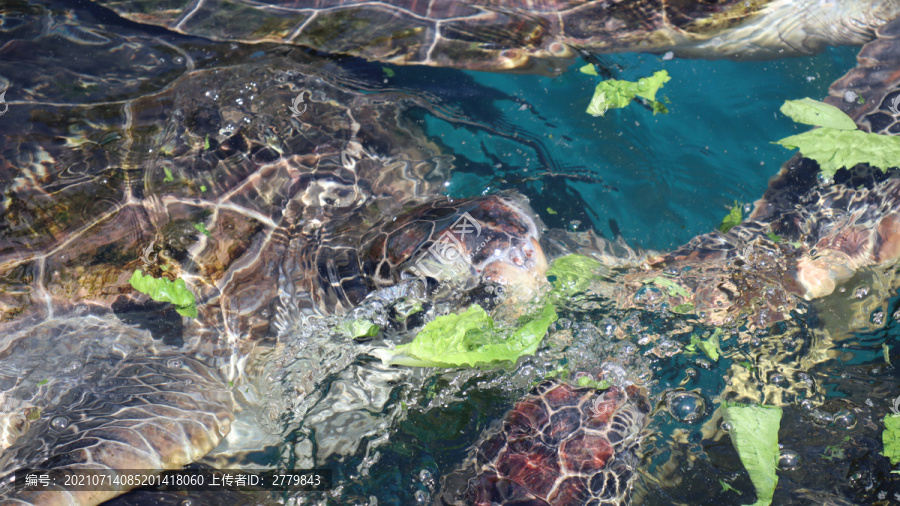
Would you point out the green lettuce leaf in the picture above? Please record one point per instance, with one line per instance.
(733, 219)
(201, 227)
(673, 288)
(686, 308)
(754, 434)
(709, 347)
(571, 274)
(614, 94)
(587, 381)
(891, 438)
(589, 69)
(833, 149)
(469, 339)
(813, 112)
(164, 290)
(356, 329)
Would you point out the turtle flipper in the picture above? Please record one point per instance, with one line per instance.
(123, 412)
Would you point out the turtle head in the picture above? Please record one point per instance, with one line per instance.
(461, 243)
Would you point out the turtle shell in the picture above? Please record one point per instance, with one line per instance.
(492, 35)
(563, 445)
(224, 177)
(803, 238)
(454, 234)
(207, 181)
(461, 242)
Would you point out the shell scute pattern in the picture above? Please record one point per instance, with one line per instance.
(562, 445)
(524, 36)
(455, 236)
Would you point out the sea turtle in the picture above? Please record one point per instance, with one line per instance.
(802, 238)
(277, 193)
(562, 444)
(492, 35)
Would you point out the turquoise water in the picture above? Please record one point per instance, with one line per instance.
(675, 175)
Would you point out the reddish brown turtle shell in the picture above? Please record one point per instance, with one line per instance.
(563, 445)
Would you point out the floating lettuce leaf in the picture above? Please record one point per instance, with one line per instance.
(728, 488)
(754, 435)
(774, 237)
(469, 339)
(686, 308)
(571, 274)
(164, 290)
(709, 347)
(833, 149)
(813, 112)
(356, 329)
(733, 219)
(587, 381)
(837, 143)
(673, 288)
(168, 175)
(891, 438)
(614, 94)
(589, 69)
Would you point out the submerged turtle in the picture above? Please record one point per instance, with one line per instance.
(492, 35)
(802, 239)
(562, 444)
(273, 209)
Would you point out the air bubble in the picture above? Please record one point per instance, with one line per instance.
(861, 292)
(844, 419)
(647, 294)
(686, 406)
(824, 180)
(776, 378)
(608, 326)
(789, 460)
(175, 363)
(59, 422)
